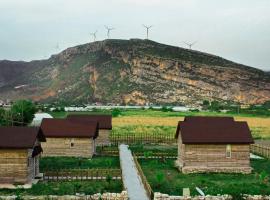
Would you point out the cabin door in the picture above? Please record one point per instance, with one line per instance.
(36, 166)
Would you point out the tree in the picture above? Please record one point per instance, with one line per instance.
(215, 106)
(166, 109)
(266, 105)
(6, 118)
(116, 112)
(2, 119)
(23, 112)
(206, 103)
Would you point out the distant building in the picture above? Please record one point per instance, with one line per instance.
(244, 106)
(1, 103)
(213, 144)
(180, 109)
(68, 138)
(39, 117)
(19, 154)
(105, 125)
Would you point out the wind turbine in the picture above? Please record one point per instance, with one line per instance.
(57, 47)
(147, 30)
(109, 29)
(94, 35)
(190, 44)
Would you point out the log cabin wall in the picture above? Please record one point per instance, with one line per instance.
(212, 158)
(181, 148)
(72, 147)
(13, 166)
(30, 166)
(103, 137)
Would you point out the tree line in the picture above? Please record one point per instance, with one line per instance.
(21, 113)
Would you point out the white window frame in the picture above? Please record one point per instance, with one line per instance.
(228, 151)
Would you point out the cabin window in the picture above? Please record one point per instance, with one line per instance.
(72, 143)
(228, 151)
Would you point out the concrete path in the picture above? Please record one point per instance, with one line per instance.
(131, 179)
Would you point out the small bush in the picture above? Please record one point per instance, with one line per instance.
(116, 112)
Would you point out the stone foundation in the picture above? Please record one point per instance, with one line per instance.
(106, 196)
(241, 170)
(256, 197)
(159, 196)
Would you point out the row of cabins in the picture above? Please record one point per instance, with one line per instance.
(75, 136)
(205, 144)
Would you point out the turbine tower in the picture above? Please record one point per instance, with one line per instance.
(109, 29)
(147, 30)
(94, 35)
(190, 44)
(57, 46)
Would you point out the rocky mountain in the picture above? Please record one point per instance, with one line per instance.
(133, 72)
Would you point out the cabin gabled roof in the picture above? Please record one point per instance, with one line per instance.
(213, 130)
(104, 121)
(15, 137)
(64, 128)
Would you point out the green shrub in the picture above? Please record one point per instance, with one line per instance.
(116, 112)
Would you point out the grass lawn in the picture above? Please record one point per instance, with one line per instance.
(164, 177)
(68, 188)
(75, 163)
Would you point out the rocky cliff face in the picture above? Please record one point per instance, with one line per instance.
(136, 72)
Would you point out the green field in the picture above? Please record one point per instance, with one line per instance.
(155, 113)
(153, 122)
(165, 178)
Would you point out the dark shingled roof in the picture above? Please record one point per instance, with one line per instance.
(104, 121)
(19, 137)
(66, 128)
(213, 130)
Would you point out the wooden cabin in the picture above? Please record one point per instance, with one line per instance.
(68, 138)
(19, 154)
(213, 144)
(105, 126)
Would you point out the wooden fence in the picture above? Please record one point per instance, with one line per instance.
(260, 150)
(82, 174)
(113, 151)
(147, 186)
(106, 152)
(142, 139)
(156, 155)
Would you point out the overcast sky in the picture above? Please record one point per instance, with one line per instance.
(238, 30)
